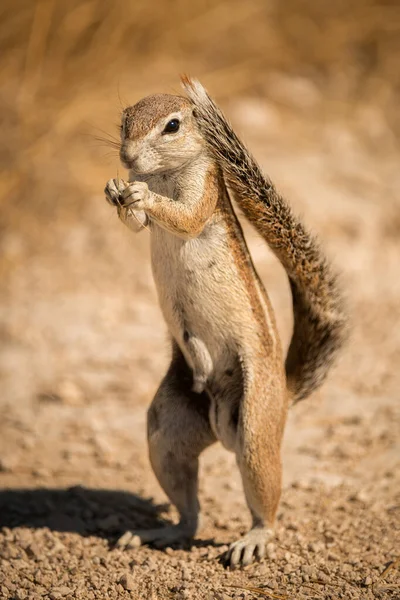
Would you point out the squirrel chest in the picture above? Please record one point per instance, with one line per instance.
(191, 277)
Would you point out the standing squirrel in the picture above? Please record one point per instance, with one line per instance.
(227, 379)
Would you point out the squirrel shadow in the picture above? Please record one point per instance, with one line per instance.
(88, 512)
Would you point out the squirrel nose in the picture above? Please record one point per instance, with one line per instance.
(127, 153)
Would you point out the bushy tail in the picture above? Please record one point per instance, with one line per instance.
(319, 317)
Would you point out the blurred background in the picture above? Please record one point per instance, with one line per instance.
(313, 88)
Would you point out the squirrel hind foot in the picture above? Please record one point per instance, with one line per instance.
(250, 547)
(159, 537)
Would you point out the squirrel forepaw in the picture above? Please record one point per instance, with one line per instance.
(113, 191)
(137, 196)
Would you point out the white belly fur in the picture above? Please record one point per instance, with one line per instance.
(194, 284)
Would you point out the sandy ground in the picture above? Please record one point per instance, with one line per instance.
(83, 347)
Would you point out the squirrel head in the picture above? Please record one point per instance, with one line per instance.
(158, 134)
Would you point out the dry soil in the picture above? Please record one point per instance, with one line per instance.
(83, 348)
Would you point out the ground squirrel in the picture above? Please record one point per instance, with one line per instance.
(227, 379)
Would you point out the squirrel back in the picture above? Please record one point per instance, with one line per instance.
(319, 317)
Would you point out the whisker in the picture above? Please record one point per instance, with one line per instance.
(109, 155)
(107, 142)
(106, 135)
(105, 132)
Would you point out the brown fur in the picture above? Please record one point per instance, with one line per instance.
(225, 342)
(320, 320)
(187, 218)
(141, 118)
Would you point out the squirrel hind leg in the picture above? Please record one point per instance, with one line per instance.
(178, 431)
(258, 442)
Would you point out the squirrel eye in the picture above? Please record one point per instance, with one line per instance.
(172, 126)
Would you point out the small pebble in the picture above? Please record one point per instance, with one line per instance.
(127, 581)
(63, 590)
(287, 569)
(333, 556)
(69, 393)
(8, 464)
(41, 472)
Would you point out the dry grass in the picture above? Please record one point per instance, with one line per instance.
(65, 65)
(66, 69)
